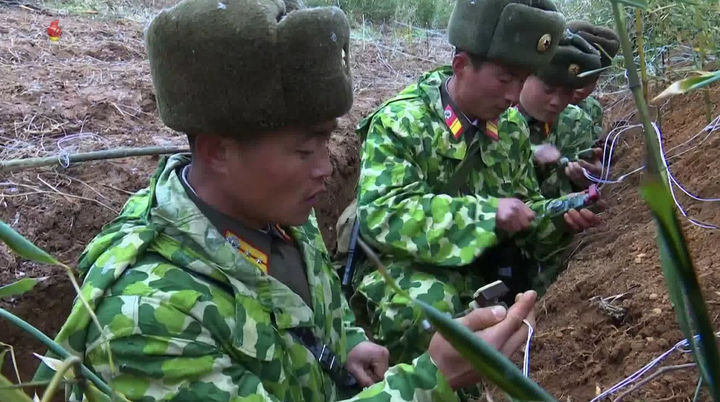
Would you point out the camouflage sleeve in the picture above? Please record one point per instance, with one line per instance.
(353, 334)
(399, 212)
(574, 132)
(595, 110)
(544, 234)
(161, 364)
(418, 382)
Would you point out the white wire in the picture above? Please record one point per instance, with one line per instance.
(609, 150)
(526, 357)
(680, 347)
(672, 180)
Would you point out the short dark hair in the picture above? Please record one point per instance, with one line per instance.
(191, 142)
(475, 60)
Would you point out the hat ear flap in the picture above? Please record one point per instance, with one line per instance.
(314, 48)
(526, 36)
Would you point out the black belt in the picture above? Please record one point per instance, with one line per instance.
(511, 265)
(326, 358)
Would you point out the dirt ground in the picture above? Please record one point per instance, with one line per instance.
(92, 91)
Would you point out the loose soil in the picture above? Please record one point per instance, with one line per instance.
(92, 91)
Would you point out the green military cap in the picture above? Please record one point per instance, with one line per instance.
(599, 36)
(523, 33)
(240, 66)
(573, 57)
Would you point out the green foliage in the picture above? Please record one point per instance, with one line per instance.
(678, 36)
(17, 288)
(10, 394)
(421, 13)
(23, 247)
(689, 84)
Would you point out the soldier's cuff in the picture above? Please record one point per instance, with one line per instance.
(355, 336)
(425, 366)
(487, 211)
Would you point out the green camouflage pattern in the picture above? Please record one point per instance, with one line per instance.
(571, 133)
(594, 109)
(429, 240)
(188, 318)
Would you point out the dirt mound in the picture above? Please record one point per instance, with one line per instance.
(581, 348)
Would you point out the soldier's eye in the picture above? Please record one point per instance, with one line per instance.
(304, 154)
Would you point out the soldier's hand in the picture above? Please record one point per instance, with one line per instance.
(546, 154)
(574, 171)
(581, 220)
(367, 362)
(503, 329)
(513, 215)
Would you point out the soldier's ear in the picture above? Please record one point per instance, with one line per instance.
(213, 152)
(460, 62)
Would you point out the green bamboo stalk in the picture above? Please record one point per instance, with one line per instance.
(701, 63)
(676, 262)
(655, 164)
(641, 51)
(54, 347)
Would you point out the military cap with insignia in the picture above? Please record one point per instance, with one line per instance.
(603, 38)
(522, 33)
(573, 57)
(232, 67)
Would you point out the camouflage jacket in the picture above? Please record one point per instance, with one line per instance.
(571, 133)
(594, 109)
(409, 154)
(188, 318)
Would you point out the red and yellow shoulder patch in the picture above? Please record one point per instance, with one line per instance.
(491, 129)
(252, 254)
(453, 122)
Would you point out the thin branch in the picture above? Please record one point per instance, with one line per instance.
(26, 163)
(78, 196)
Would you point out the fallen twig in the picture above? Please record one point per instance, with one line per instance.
(27, 163)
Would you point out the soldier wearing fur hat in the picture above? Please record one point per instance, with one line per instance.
(214, 283)
(557, 128)
(607, 43)
(440, 183)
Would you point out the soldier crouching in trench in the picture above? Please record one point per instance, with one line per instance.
(214, 283)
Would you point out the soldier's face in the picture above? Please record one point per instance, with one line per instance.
(487, 91)
(278, 176)
(542, 101)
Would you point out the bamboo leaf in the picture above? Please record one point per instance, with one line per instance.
(11, 394)
(642, 4)
(55, 365)
(485, 358)
(22, 286)
(23, 246)
(689, 84)
(686, 294)
(592, 72)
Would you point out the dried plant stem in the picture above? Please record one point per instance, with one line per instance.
(26, 163)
